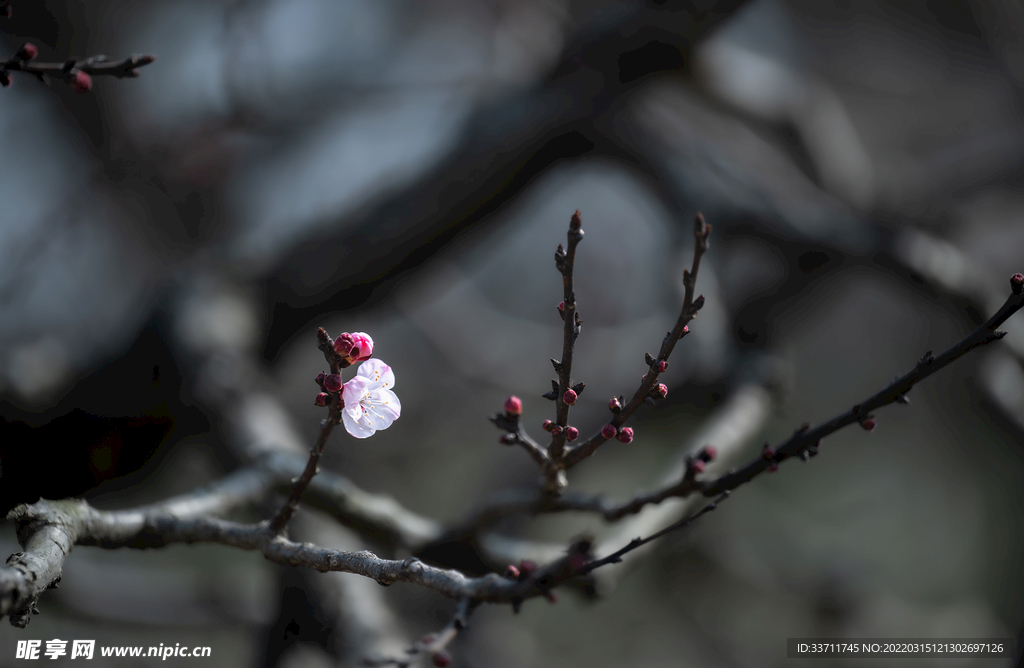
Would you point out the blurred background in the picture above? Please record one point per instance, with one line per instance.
(406, 169)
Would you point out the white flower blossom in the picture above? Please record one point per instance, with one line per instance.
(370, 403)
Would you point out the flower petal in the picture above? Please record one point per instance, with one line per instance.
(377, 373)
(354, 391)
(359, 428)
(386, 401)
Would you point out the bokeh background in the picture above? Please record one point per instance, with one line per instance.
(406, 168)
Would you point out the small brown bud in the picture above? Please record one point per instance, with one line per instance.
(27, 52)
(575, 222)
(332, 382)
(555, 430)
(80, 81)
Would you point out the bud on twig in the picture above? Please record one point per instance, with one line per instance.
(322, 399)
(569, 398)
(1017, 283)
(626, 435)
(80, 81)
(332, 382)
(609, 431)
(513, 406)
(27, 52)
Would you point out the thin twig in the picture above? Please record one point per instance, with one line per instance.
(278, 523)
(565, 261)
(701, 233)
(805, 441)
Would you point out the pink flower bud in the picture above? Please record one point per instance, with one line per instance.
(626, 435)
(511, 572)
(442, 659)
(868, 423)
(571, 434)
(322, 399)
(561, 307)
(569, 398)
(609, 431)
(614, 405)
(547, 425)
(332, 382)
(513, 406)
(27, 52)
(81, 81)
(662, 365)
(709, 453)
(661, 389)
(698, 465)
(354, 347)
(1017, 283)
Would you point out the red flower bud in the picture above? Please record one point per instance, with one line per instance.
(662, 365)
(571, 434)
(511, 572)
(322, 399)
(320, 378)
(626, 435)
(442, 659)
(354, 347)
(614, 405)
(27, 52)
(332, 382)
(1017, 283)
(513, 406)
(547, 425)
(609, 431)
(569, 398)
(81, 81)
(868, 423)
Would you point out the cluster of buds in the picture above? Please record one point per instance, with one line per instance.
(699, 462)
(610, 431)
(353, 347)
(328, 382)
(27, 52)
